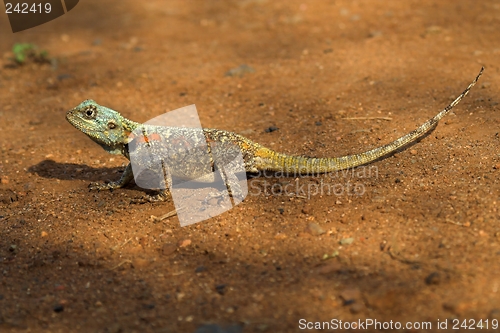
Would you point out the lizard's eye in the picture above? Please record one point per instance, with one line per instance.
(90, 111)
(111, 125)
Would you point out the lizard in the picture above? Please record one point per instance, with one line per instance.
(121, 136)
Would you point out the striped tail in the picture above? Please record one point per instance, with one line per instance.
(273, 161)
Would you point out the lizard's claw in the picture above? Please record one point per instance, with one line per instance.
(95, 186)
(100, 186)
(219, 195)
(159, 197)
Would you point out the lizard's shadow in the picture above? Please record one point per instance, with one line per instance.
(69, 171)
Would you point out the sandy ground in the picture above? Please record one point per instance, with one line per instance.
(421, 243)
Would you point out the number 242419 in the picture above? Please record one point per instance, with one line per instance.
(24, 8)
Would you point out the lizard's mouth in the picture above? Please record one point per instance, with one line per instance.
(74, 119)
(70, 116)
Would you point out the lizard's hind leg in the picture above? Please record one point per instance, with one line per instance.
(233, 187)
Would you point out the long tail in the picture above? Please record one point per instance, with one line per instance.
(273, 161)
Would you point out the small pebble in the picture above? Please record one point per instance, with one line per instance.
(375, 33)
(357, 307)
(13, 248)
(346, 241)
(378, 199)
(280, 236)
(330, 267)
(58, 308)
(200, 269)
(221, 289)
(60, 287)
(271, 129)
(184, 243)
(350, 296)
(168, 248)
(61, 77)
(314, 229)
(240, 71)
(307, 209)
(433, 278)
(433, 29)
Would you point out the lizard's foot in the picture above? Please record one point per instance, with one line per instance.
(104, 186)
(161, 196)
(219, 195)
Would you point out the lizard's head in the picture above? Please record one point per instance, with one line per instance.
(105, 126)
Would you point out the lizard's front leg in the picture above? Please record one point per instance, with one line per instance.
(124, 180)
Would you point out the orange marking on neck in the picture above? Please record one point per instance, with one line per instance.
(144, 138)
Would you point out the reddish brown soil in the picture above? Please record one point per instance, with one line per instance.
(425, 234)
